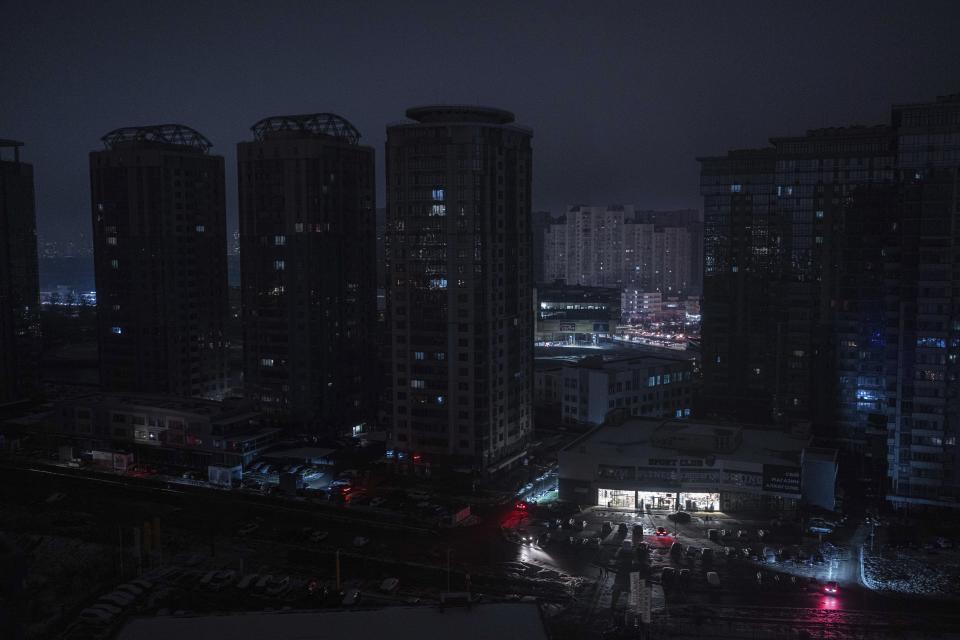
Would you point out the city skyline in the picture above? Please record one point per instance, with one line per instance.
(668, 95)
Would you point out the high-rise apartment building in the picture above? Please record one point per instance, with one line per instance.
(308, 264)
(19, 285)
(829, 276)
(459, 296)
(159, 232)
(922, 308)
(616, 246)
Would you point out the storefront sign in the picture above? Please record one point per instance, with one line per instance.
(781, 478)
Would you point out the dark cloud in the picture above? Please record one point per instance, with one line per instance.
(621, 96)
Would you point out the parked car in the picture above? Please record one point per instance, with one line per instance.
(247, 580)
(713, 579)
(706, 555)
(681, 517)
(389, 585)
(622, 528)
(676, 549)
(278, 586)
(606, 529)
(713, 535)
(95, 615)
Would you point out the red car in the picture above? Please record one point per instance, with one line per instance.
(831, 587)
(662, 531)
(521, 506)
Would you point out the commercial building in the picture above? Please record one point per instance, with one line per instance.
(576, 314)
(640, 463)
(588, 389)
(827, 293)
(186, 433)
(308, 264)
(19, 283)
(159, 235)
(459, 291)
(637, 304)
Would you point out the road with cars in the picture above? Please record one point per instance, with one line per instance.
(583, 567)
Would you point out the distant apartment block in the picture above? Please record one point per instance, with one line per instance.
(617, 246)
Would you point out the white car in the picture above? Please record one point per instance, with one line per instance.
(118, 598)
(389, 585)
(132, 589)
(95, 615)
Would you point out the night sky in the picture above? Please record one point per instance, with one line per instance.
(621, 96)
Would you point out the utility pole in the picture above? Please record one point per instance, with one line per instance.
(338, 568)
(448, 569)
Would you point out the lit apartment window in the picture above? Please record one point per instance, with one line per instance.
(116, 330)
(279, 265)
(266, 362)
(279, 241)
(298, 227)
(201, 228)
(114, 264)
(819, 215)
(438, 210)
(418, 355)
(736, 188)
(438, 194)
(112, 240)
(417, 384)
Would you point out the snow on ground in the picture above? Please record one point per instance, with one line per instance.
(914, 572)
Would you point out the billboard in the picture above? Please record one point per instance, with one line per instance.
(781, 479)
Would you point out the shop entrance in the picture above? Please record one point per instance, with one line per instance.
(700, 501)
(656, 500)
(617, 498)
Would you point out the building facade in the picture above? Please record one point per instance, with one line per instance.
(459, 291)
(186, 433)
(617, 246)
(19, 283)
(828, 284)
(588, 389)
(159, 232)
(650, 463)
(308, 264)
(575, 314)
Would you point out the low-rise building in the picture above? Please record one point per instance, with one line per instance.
(576, 314)
(635, 303)
(587, 389)
(188, 433)
(641, 463)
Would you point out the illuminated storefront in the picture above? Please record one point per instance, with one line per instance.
(659, 464)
